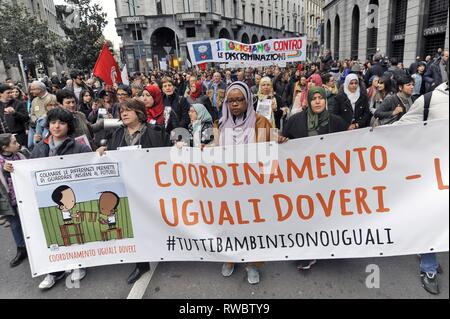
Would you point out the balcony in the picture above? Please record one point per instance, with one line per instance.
(237, 23)
(213, 18)
(188, 16)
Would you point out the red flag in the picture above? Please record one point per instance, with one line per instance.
(106, 67)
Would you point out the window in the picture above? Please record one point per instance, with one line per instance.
(253, 15)
(337, 32)
(262, 17)
(372, 32)
(223, 8)
(437, 13)
(398, 34)
(270, 20)
(190, 32)
(137, 35)
(355, 33)
(187, 5)
(235, 9)
(433, 42)
(243, 12)
(400, 16)
(158, 7)
(435, 26)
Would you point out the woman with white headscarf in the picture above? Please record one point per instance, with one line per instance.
(352, 104)
(241, 125)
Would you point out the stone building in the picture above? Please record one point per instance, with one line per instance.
(148, 27)
(402, 29)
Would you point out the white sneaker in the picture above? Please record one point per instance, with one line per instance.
(227, 269)
(49, 281)
(78, 274)
(252, 274)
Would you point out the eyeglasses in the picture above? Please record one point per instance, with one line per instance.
(238, 101)
(122, 94)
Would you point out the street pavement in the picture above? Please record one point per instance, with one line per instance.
(339, 278)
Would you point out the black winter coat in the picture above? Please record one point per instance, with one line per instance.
(154, 136)
(180, 106)
(361, 115)
(16, 122)
(297, 126)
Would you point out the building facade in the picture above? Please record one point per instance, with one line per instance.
(148, 27)
(402, 29)
(44, 10)
(313, 27)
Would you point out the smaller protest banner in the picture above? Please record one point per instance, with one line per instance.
(265, 53)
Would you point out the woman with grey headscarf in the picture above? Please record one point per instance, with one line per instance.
(201, 125)
(241, 125)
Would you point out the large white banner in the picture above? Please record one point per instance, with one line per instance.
(236, 54)
(352, 194)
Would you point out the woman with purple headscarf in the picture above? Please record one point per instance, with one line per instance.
(241, 125)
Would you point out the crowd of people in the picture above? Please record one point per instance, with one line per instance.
(76, 113)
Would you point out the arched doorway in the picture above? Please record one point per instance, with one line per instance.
(255, 38)
(372, 29)
(224, 34)
(163, 44)
(355, 33)
(263, 38)
(245, 39)
(328, 40)
(337, 33)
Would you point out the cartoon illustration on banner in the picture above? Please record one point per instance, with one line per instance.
(89, 210)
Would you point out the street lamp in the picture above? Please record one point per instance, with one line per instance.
(175, 34)
(135, 29)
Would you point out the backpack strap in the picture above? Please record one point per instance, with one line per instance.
(426, 105)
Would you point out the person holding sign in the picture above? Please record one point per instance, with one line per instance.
(431, 106)
(197, 97)
(241, 125)
(137, 133)
(10, 151)
(269, 104)
(61, 125)
(158, 114)
(316, 120)
(201, 125)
